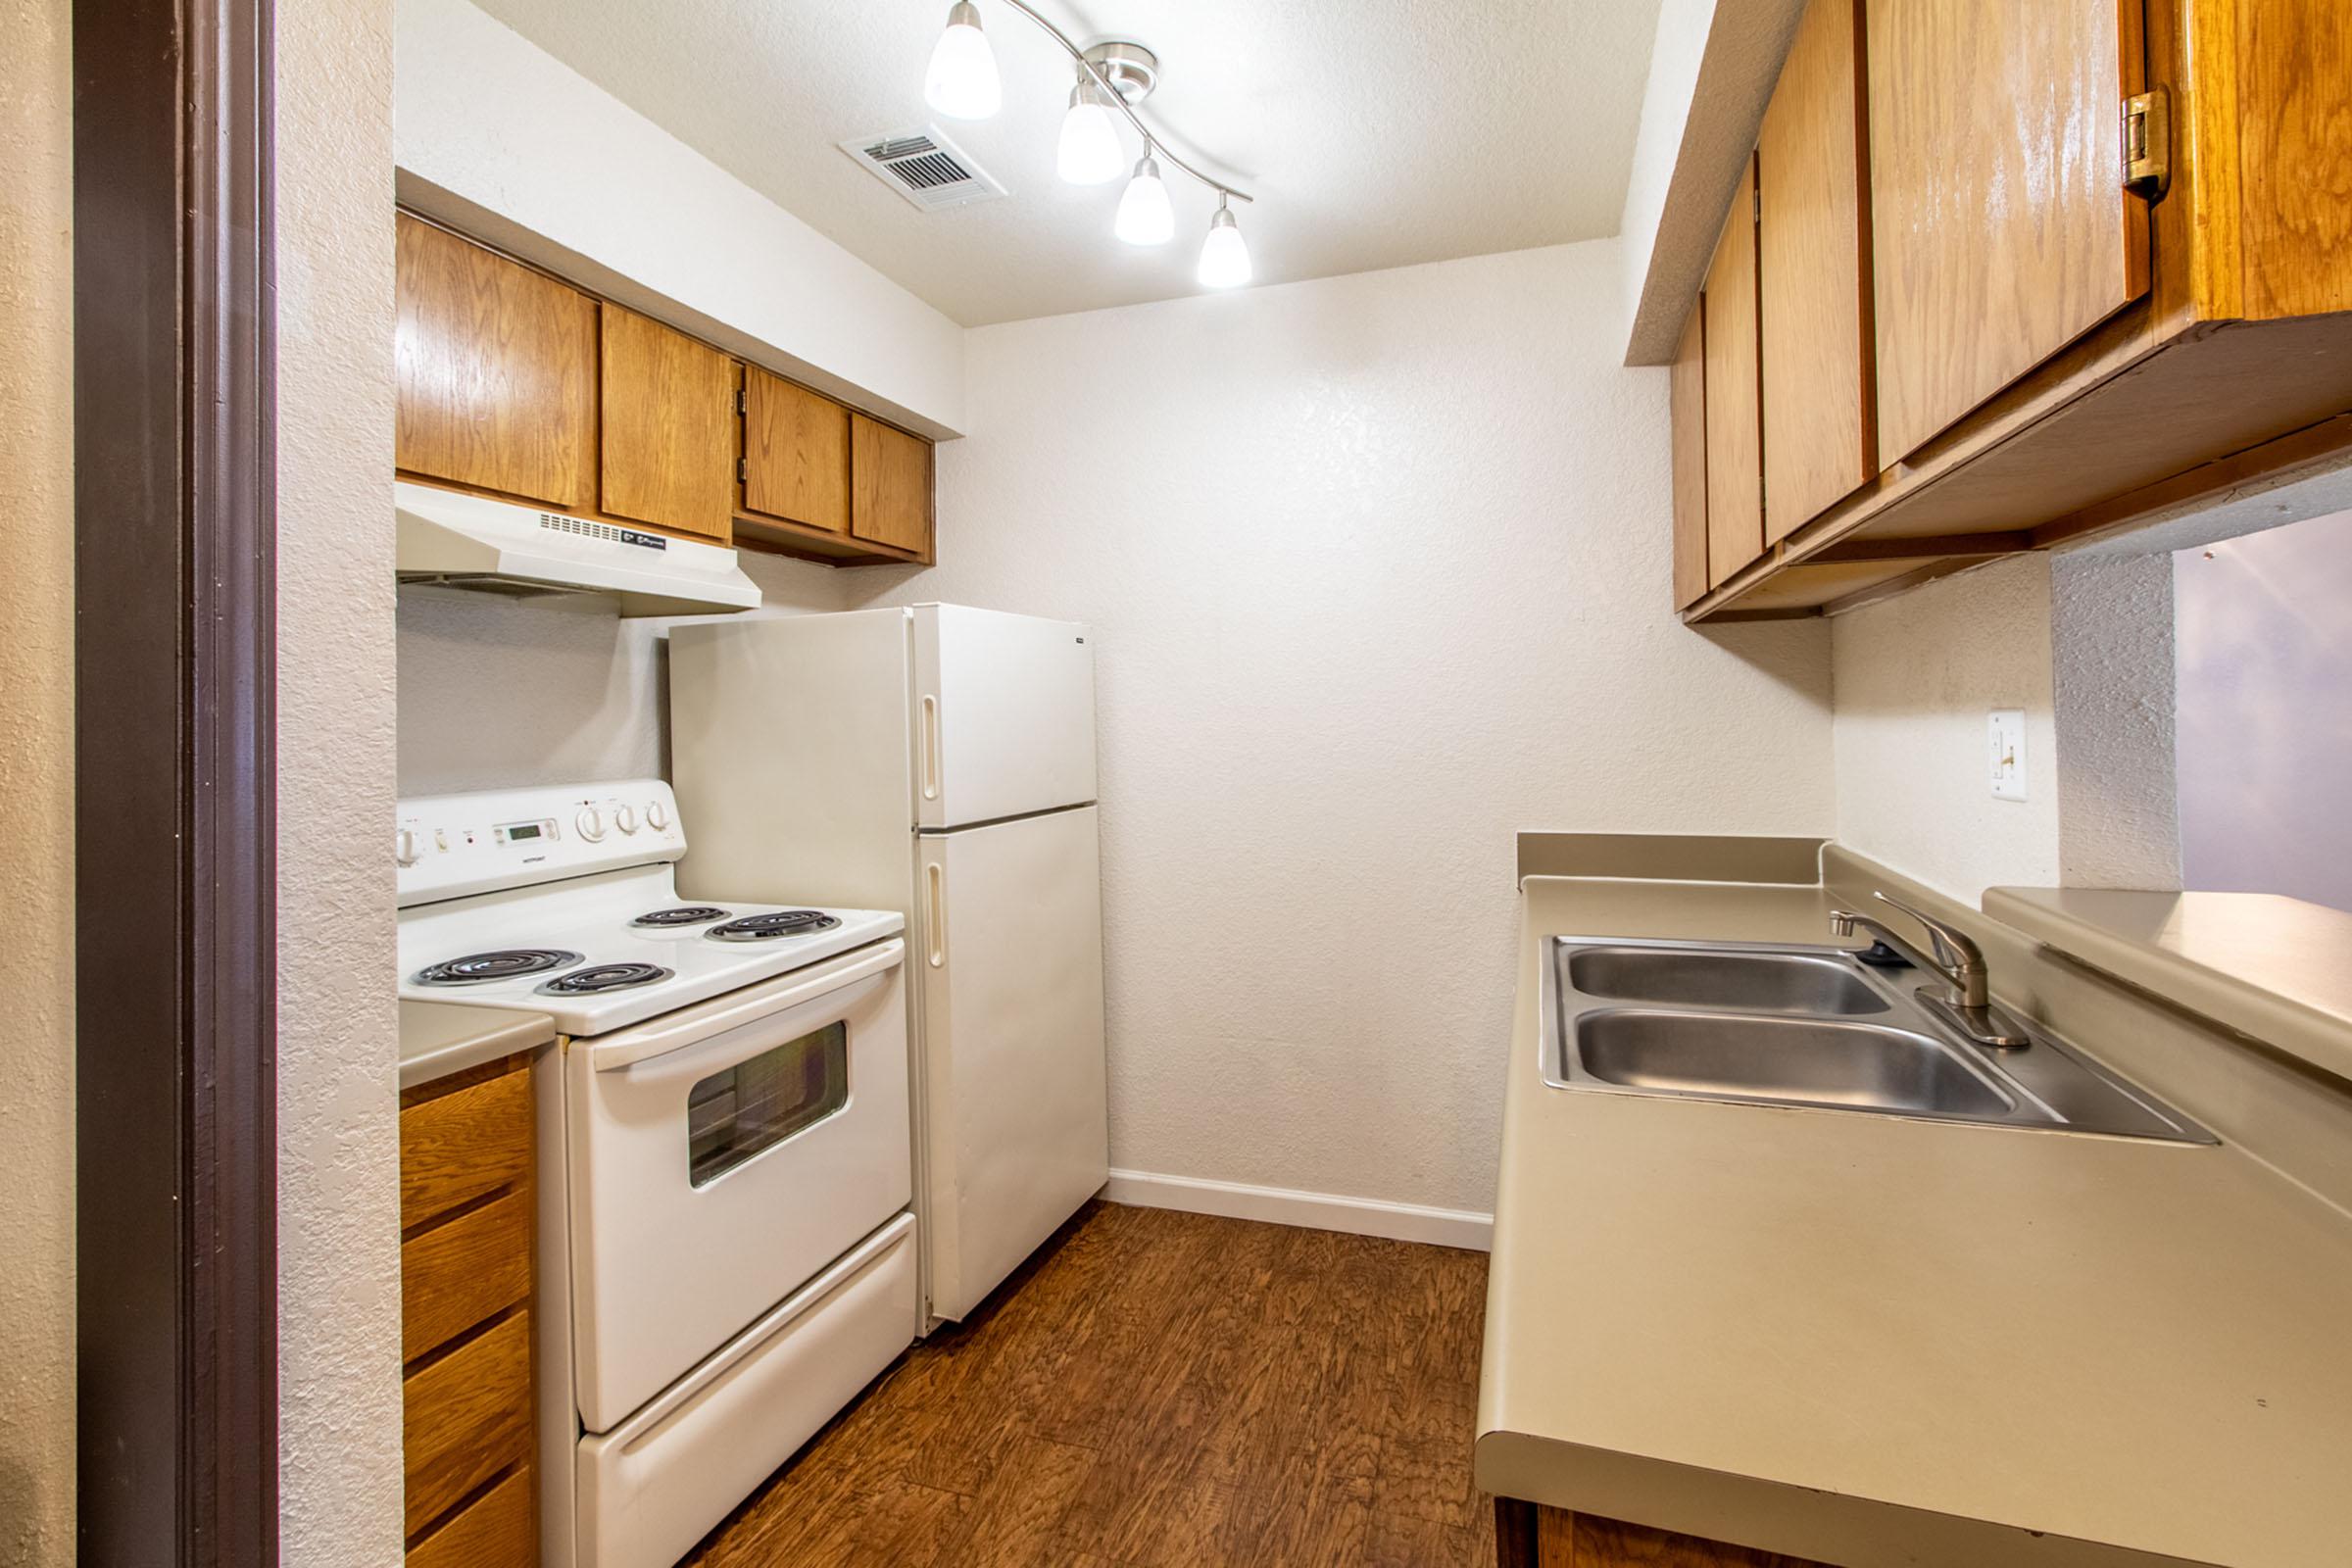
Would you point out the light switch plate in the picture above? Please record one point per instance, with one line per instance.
(2005, 737)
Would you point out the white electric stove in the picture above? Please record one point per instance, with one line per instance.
(727, 1247)
(564, 900)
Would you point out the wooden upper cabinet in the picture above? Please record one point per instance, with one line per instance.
(796, 452)
(1819, 412)
(2002, 231)
(1734, 414)
(669, 447)
(891, 477)
(494, 371)
(1686, 399)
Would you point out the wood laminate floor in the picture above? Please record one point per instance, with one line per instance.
(1157, 1387)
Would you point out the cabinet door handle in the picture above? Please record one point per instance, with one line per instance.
(936, 914)
(930, 747)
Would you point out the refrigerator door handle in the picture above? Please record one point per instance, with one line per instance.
(930, 747)
(936, 912)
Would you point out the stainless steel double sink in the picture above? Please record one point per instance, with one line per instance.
(1797, 1025)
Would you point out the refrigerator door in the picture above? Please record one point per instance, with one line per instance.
(1005, 716)
(1010, 964)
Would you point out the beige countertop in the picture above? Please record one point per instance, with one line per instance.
(439, 1038)
(1879, 1339)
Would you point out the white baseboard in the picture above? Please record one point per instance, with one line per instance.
(1322, 1212)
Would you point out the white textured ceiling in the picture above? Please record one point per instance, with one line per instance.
(1374, 134)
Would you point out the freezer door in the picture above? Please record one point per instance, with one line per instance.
(1012, 971)
(1005, 716)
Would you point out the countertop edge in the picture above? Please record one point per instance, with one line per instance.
(441, 1037)
(1772, 1515)
(2308, 1030)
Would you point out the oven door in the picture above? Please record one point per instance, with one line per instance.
(721, 1158)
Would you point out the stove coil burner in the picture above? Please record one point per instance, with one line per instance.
(684, 914)
(508, 964)
(782, 923)
(602, 977)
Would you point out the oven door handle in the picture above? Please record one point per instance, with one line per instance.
(637, 1045)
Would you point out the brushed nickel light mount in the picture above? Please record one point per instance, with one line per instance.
(1113, 76)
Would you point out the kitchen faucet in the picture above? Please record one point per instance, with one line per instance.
(1965, 999)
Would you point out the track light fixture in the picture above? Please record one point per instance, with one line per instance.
(1112, 79)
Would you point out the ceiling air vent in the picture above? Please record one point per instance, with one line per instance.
(931, 171)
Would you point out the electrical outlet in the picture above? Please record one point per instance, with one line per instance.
(2005, 735)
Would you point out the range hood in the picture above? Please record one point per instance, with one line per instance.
(502, 546)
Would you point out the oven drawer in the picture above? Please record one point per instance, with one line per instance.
(656, 1483)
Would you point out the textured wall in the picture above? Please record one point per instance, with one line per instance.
(1376, 565)
(2266, 712)
(36, 788)
(496, 692)
(2111, 655)
(338, 1145)
(1915, 676)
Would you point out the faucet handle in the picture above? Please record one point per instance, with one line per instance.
(1841, 923)
(1953, 946)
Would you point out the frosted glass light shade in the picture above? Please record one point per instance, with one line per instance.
(961, 83)
(1224, 257)
(1089, 153)
(1145, 216)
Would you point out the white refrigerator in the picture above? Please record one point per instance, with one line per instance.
(939, 760)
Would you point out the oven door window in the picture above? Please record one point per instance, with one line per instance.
(731, 1116)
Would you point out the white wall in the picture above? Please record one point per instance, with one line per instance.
(1915, 677)
(496, 692)
(338, 1141)
(36, 789)
(1377, 566)
(501, 139)
(2266, 711)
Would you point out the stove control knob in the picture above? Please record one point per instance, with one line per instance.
(403, 847)
(624, 817)
(591, 823)
(657, 816)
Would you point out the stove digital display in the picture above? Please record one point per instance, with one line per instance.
(521, 832)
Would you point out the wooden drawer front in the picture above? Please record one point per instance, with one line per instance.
(468, 1419)
(464, 1272)
(501, 1529)
(464, 1144)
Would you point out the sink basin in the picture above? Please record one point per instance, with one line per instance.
(1767, 982)
(1817, 1061)
(1802, 1024)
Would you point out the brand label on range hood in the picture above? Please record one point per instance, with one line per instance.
(601, 530)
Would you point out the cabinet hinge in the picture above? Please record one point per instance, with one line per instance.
(2149, 144)
(740, 405)
(743, 471)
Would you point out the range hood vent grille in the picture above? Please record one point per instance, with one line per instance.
(922, 166)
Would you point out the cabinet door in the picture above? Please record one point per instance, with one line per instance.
(1820, 425)
(493, 371)
(1734, 418)
(891, 474)
(2001, 229)
(668, 411)
(796, 452)
(1687, 400)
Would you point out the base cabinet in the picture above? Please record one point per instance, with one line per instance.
(1529, 1535)
(467, 1282)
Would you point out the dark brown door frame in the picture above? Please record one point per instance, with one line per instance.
(175, 653)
